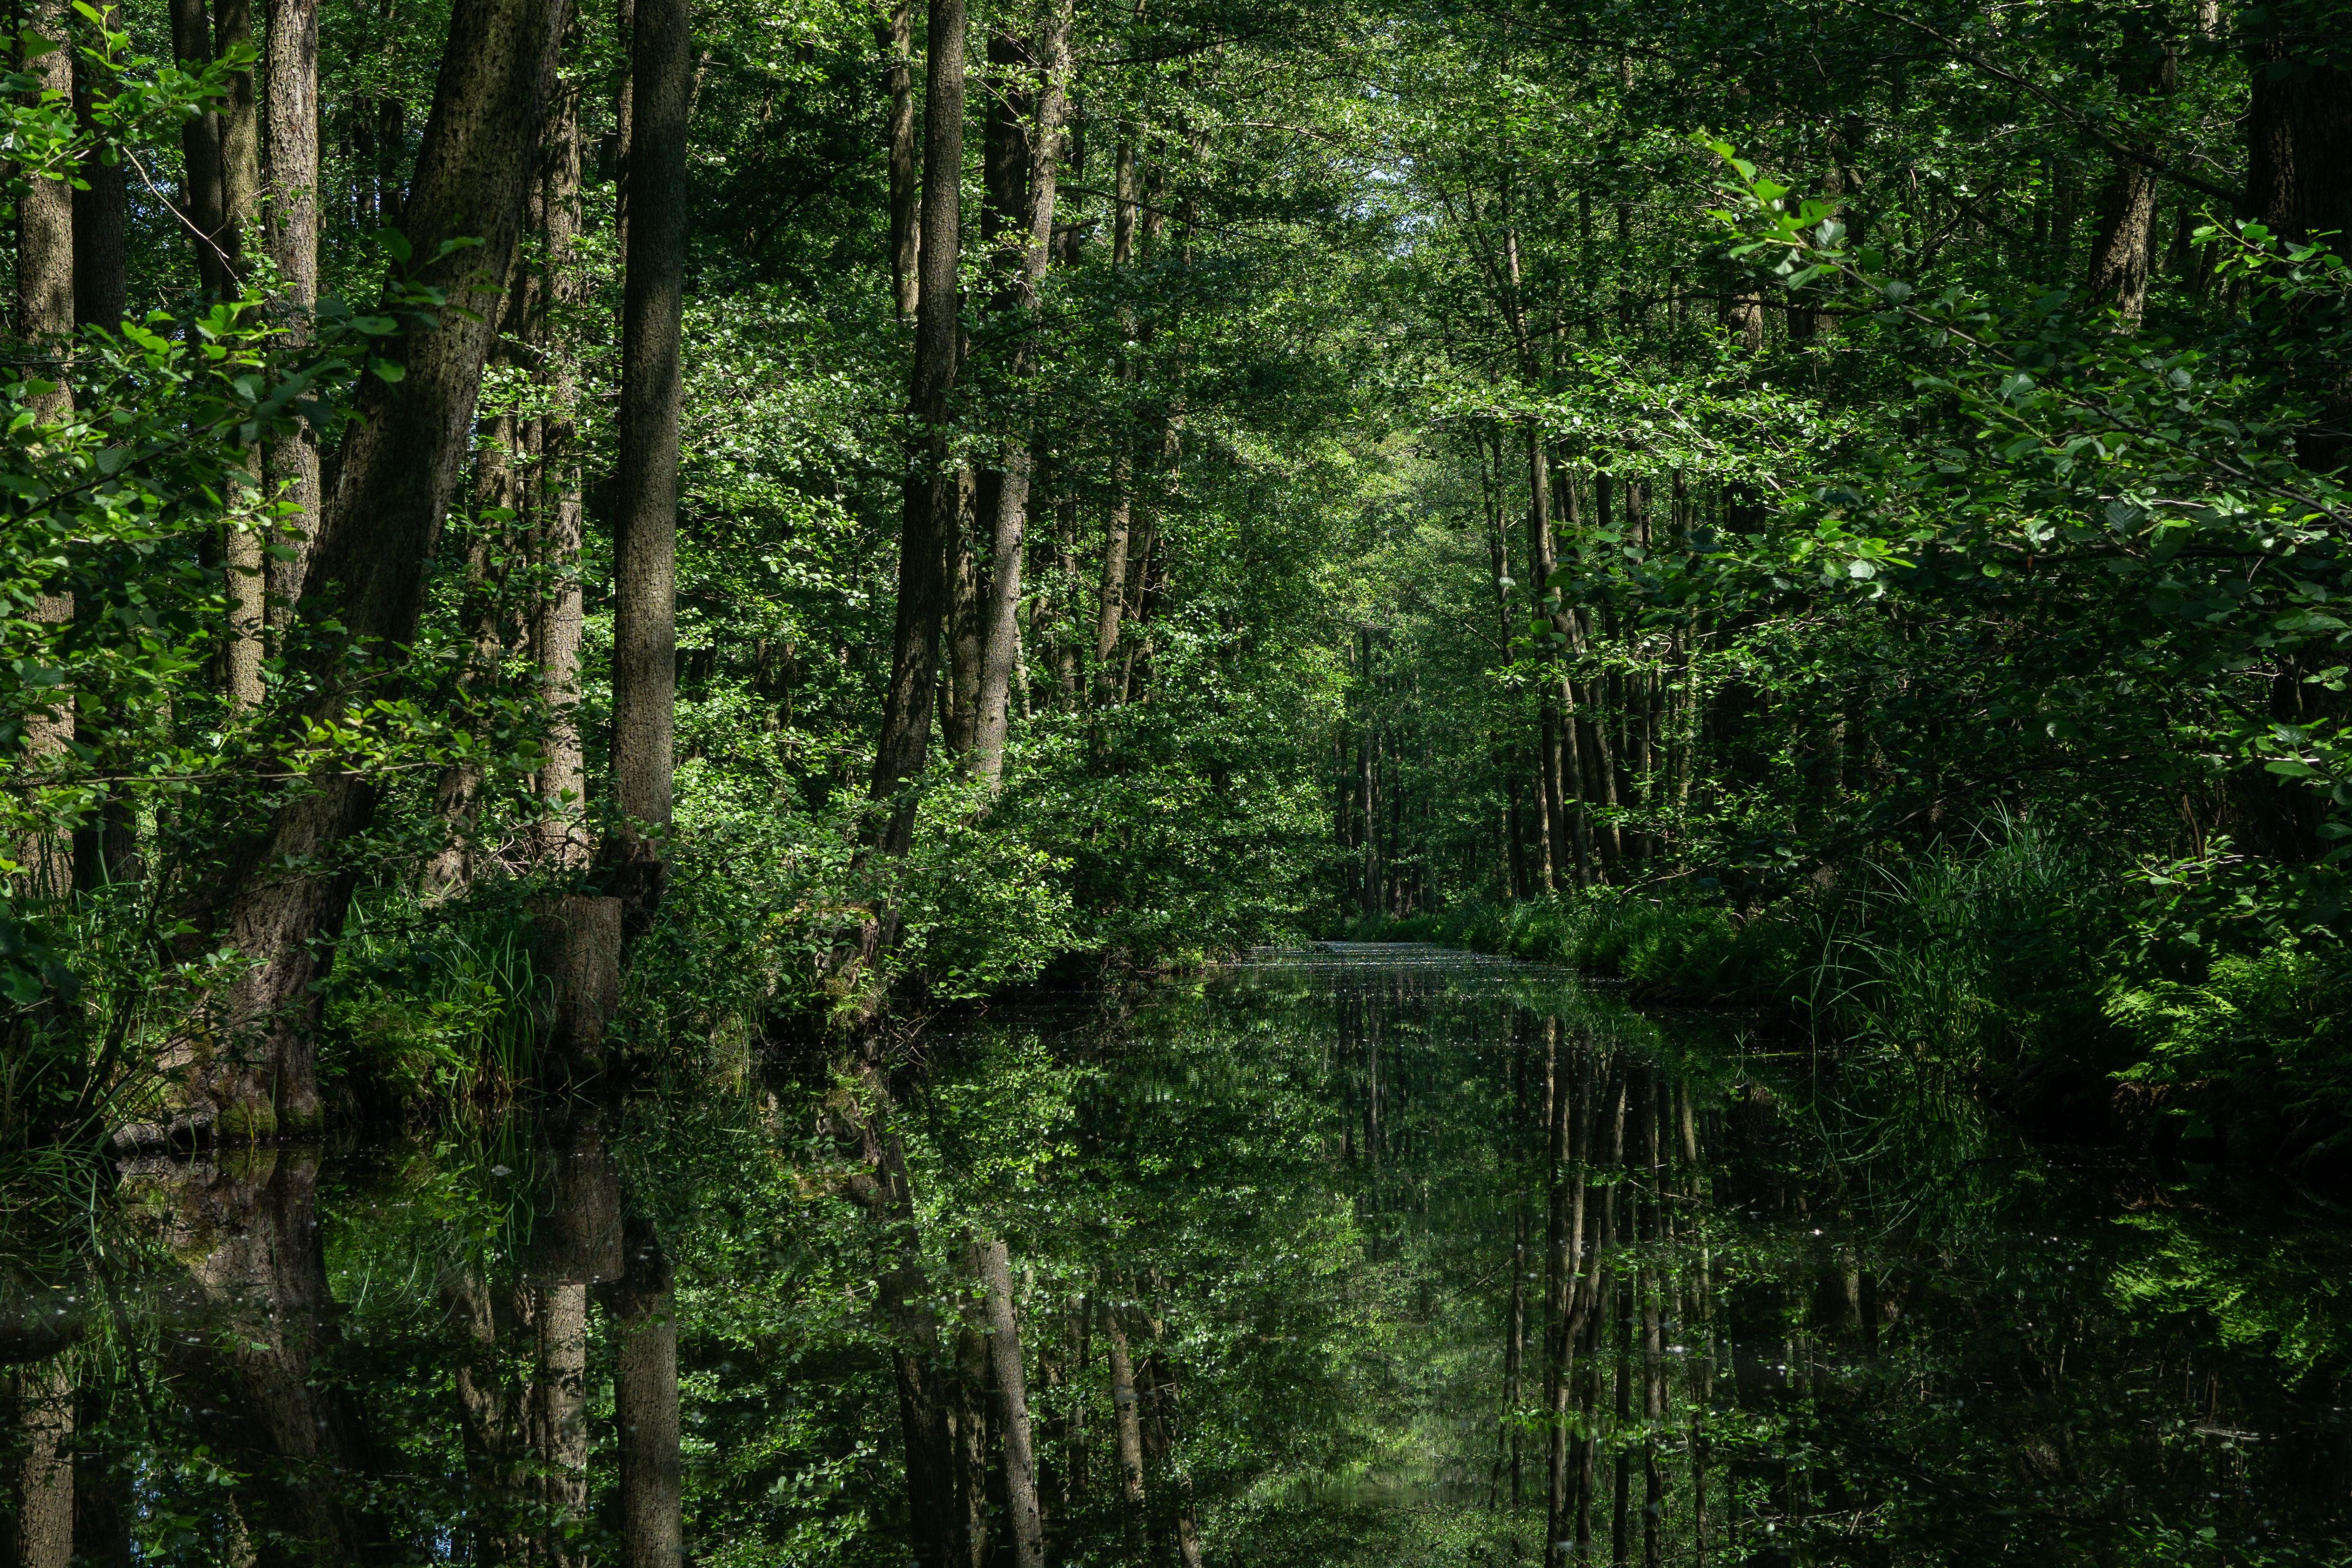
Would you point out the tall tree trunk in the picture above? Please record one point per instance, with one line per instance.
(246, 550)
(100, 218)
(1567, 844)
(101, 1484)
(967, 1424)
(2299, 168)
(555, 628)
(1012, 1390)
(2299, 127)
(928, 534)
(2121, 248)
(645, 617)
(1559, 1262)
(497, 498)
(200, 147)
(1122, 499)
(960, 694)
(44, 1493)
(559, 1413)
(367, 572)
(1001, 637)
(894, 34)
(1130, 1418)
(44, 318)
(645, 1380)
(625, 118)
(290, 134)
(240, 142)
(105, 849)
(902, 1299)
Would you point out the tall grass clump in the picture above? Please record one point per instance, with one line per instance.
(433, 1010)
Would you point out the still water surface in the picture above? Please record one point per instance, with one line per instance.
(1375, 1255)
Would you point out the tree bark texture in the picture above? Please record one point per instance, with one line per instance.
(645, 1399)
(1011, 1388)
(2299, 172)
(2299, 130)
(254, 1075)
(928, 534)
(1039, 167)
(44, 318)
(2120, 250)
(894, 34)
(1113, 601)
(644, 619)
(45, 228)
(200, 147)
(101, 217)
(1128, 1414)
(902, 1301)
(43, 1395)
(245, 553)
(240, 142)
(576, 945)
(959, 705)
(290, 140)
(556, 613)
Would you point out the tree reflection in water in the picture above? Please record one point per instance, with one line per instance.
(1376, 1256)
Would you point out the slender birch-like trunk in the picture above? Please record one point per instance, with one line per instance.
(290, 140)
(1001, 636)
(894, 35)
(45, 320)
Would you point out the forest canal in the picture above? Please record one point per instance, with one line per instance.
(1392, 1256)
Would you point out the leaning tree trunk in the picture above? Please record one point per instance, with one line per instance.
(928, 535)
(644, 619)
(1128, 1417)
(280, 891)
(1000, 638)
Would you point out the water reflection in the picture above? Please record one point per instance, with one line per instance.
(1377, 1256)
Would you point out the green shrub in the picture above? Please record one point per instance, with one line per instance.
(2260, 1049)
